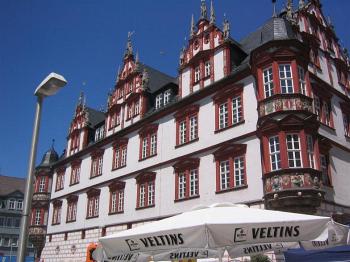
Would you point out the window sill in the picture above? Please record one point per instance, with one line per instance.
(55, 224)
(72, 184)
(232, 189)
(327, 126)
(116, 168)
(228, 127)
(56, 190)
(189, 142)
(115, 213)
(145, 207)
(71, 221)
(147, 157)
(92, 217)
(92, 177)
(187, 198)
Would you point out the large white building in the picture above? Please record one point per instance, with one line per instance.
(264, 121)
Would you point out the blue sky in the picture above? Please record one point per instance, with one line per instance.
(84, 40)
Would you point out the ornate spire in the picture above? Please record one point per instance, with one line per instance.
(128, 50)
(53, 144)
(289, 8)
(192, 26)
(226, 27)
(212, 13)
(301, 4)
(203, 10)
(274, 8)
(81, 100)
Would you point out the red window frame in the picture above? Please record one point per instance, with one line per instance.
(57, 211)
(75, 140)
(184, 116)
(325, 100)
(146, 134)
(93, 197)
(75, 172)
(114, 116)
(96, 163)
(185, 166)
(41, 216)
(38, 180)
(324, 148)
(346, 118)
(145, 180)
(131, 103)
(228, 153)
(118, 147)
(60, 174)
(117, 188)
(226, 96)
(72, 205)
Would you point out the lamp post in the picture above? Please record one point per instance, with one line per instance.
(48, 87)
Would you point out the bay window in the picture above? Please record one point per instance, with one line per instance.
(286, 80)
(275, 154)
(293, 150)
(268, 82)
(302, 81)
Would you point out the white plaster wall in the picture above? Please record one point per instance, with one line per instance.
(206, 46)
(207, 82)
(165, 178)
(195, 51)
(323, 74)
(218, 64)
(216, 40)
(185, 84)
(301, 25)
(196, 87)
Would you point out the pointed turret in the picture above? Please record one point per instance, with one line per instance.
(203, 10)
(192, 26)
(274, 8)
(212, 13)
(128, 50)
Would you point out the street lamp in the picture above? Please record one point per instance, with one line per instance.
(48, 87)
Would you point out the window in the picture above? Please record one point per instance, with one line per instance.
(346, 122)
(56, 214)
(187, 124)
(42, 184)
(167, 96)
(75, 139)
(229, 107)
(116, 202)
(231, 167)
(145, 190)
(323, 110)
(187, 179)
(310, 151)
(72, 202)
(131, 87)
(197, 74)
(275, 154)
(12, 204)
(302, 81)
(148, 141)
(99, 133)
(93, 203)
(268, 82)
(159, 101)
(207, 69)
(37, 217)
(9, 222)
(60, 179)
(96, 163)
(75, 172)
(19, 204)
(293, 150)
(324, 166)
(114, 118)
(17, 222)
(120, 153)
(286, 81)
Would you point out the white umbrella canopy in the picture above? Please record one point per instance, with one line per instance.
(220, 226)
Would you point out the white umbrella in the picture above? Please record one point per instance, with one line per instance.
(218, 227)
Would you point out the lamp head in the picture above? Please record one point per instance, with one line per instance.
(50, 85)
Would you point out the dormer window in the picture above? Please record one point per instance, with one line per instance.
(197, 74)
(167, 95)
(159, 101)
(99, 133)
(207, 69)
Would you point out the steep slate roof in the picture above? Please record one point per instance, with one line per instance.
(276, 28)
(49, 158)
(11, 184)
(94, 117)
(157, 79)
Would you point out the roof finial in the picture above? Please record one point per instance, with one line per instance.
(274, 8)
(118, 73)
(289, 9)
(301, 4)
(137, 60)
(128, 50)
(203, 10)
(192, 26)
(81, 100)
(226, 27)
(53, 143)
(212, 13)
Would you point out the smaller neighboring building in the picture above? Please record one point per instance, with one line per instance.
(11, 206)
